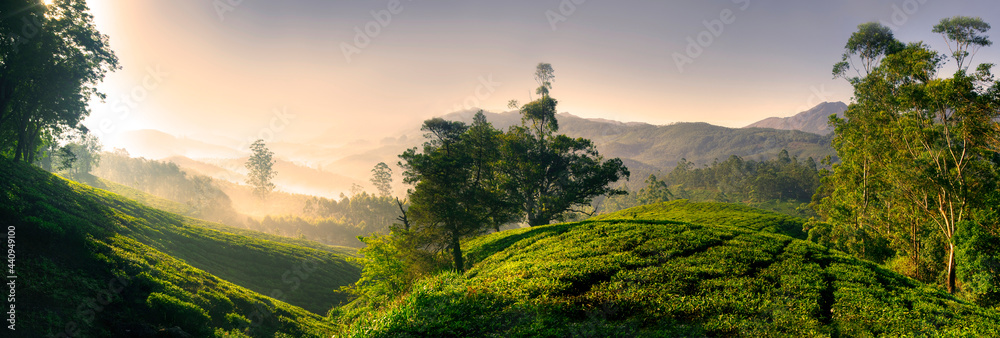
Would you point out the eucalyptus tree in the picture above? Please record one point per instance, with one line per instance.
(260, 167)
(870, 44)
(916, 156)
(964, 36)
(382, 179)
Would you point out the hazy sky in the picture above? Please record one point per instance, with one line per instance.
(223, 70)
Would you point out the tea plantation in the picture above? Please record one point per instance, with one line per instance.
(672, 269)
(91, 263)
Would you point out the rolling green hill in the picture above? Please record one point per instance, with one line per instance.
(672, 269)
(93, 263)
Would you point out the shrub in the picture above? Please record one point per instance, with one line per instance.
(175, 312)
(979, 264)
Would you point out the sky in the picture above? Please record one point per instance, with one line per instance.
(329, 72)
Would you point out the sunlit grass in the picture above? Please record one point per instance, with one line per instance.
(155, 269)
(672, 269)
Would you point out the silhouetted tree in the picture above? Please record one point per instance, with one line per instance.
(51, 60)
(261, 169)
(382, 179)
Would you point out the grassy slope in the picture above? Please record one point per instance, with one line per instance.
(152, 201)
(77, 244)
(675, 268)
(157, 202)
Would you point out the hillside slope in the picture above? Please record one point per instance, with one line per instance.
(815, 120)
(673, 269)
(92, 263)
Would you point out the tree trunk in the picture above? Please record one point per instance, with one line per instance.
(951, 268)
(22, 138)
(456, 252)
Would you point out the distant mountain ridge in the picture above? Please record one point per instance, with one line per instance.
(815, 120)
(643, 147)
(647, 148)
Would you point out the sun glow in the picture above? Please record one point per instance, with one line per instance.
(47, 2)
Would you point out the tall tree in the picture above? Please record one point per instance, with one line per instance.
(544, 75)
(51, 59)
(382, 179)
(455, 193)
(261, 169)
(550, 175)
(964, 36)
(870, 44)
(915, 152)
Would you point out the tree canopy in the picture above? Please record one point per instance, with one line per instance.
(382, 179)
(918, 164)
(456, 190)
(260, 167)
(471, 179)
(872, 42)
(964, 36)
(51, 59)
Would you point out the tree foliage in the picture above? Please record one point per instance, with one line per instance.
(544, 75)
(81, 156)
(782, 179)
(261, 169)
(872, 42)
(471, 179)
(964, 36)
(51, 59)
(166, 180)
(917, 161)
(551, 174)
(382, 179)
(390, 263)
(457, 193)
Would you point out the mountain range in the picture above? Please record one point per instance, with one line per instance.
(643, 147)
(815, 120)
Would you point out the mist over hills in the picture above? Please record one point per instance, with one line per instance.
(329, 170)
